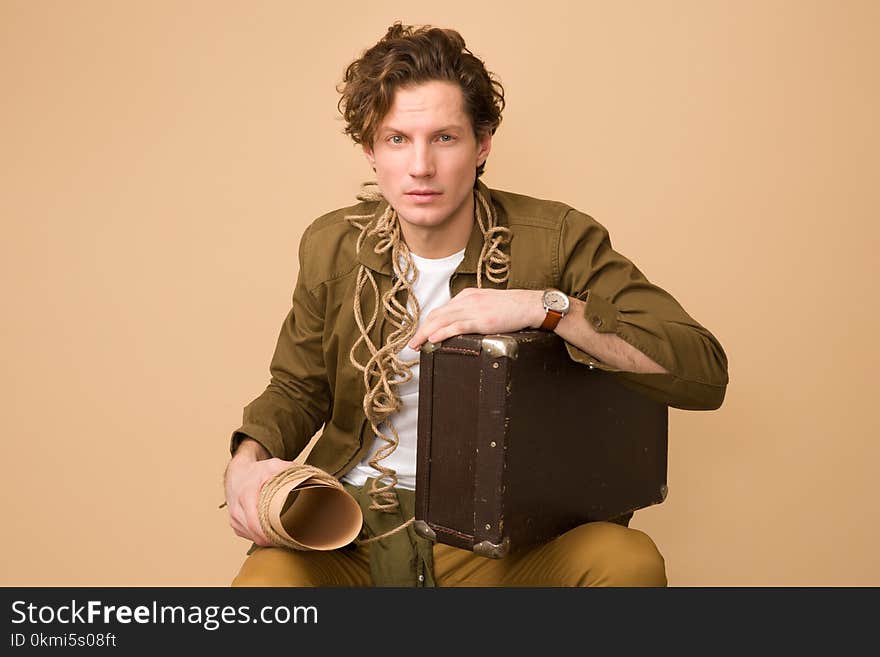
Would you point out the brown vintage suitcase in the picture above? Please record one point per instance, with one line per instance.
(517, 443)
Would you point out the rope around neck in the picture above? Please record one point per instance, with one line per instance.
(384, 371)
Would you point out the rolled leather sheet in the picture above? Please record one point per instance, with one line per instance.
(304, 508)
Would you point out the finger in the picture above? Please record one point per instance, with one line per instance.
(439, 332)
(237, 515)
(431, 324)
(251, 501)
(244, 531)
(244, 521)
(260, 538)
(451, 310)
(240, 531)
(456, 328)
(448, 314)
(238, 527)
(252, 522)
(416, 342)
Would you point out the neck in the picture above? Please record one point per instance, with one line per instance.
(441, 241)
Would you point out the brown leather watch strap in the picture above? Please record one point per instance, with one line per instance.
(551, 320)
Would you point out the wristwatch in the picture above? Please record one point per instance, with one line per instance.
(556, 304)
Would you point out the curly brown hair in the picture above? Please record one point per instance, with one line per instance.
(412, 55)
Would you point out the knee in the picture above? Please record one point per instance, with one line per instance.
(253, 579)
(271, 567)
(613, 555)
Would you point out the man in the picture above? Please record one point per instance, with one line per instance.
(433, 254)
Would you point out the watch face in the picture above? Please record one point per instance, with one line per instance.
(555, 300)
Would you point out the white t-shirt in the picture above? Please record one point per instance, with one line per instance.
(432, 290)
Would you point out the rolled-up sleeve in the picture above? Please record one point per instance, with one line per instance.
(620, 300)
(297, 400)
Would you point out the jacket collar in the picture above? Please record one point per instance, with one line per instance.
(381, 262)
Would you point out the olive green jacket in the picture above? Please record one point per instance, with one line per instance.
(313, 382)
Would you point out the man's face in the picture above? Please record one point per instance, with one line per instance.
(426, 155)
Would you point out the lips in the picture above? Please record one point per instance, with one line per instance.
(422, 196)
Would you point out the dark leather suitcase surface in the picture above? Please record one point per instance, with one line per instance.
(517, 443)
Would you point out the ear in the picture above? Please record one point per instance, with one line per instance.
(368, 153)
(484, 146)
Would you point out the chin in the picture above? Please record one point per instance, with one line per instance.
(421, 217)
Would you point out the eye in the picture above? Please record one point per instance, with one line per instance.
(396, 139)
(446, 138)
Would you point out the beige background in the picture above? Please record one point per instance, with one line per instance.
(160, 160)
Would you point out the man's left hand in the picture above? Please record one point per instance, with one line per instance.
(482, 311)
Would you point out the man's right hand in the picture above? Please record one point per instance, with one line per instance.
(249, 468)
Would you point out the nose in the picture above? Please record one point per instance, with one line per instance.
(421, 163)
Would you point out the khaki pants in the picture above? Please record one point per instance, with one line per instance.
(594, 554)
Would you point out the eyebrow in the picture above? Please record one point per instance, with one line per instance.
(447, 128)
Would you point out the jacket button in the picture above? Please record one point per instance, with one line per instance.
(597, 321)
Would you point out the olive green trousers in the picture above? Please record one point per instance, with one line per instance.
(593, 554)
